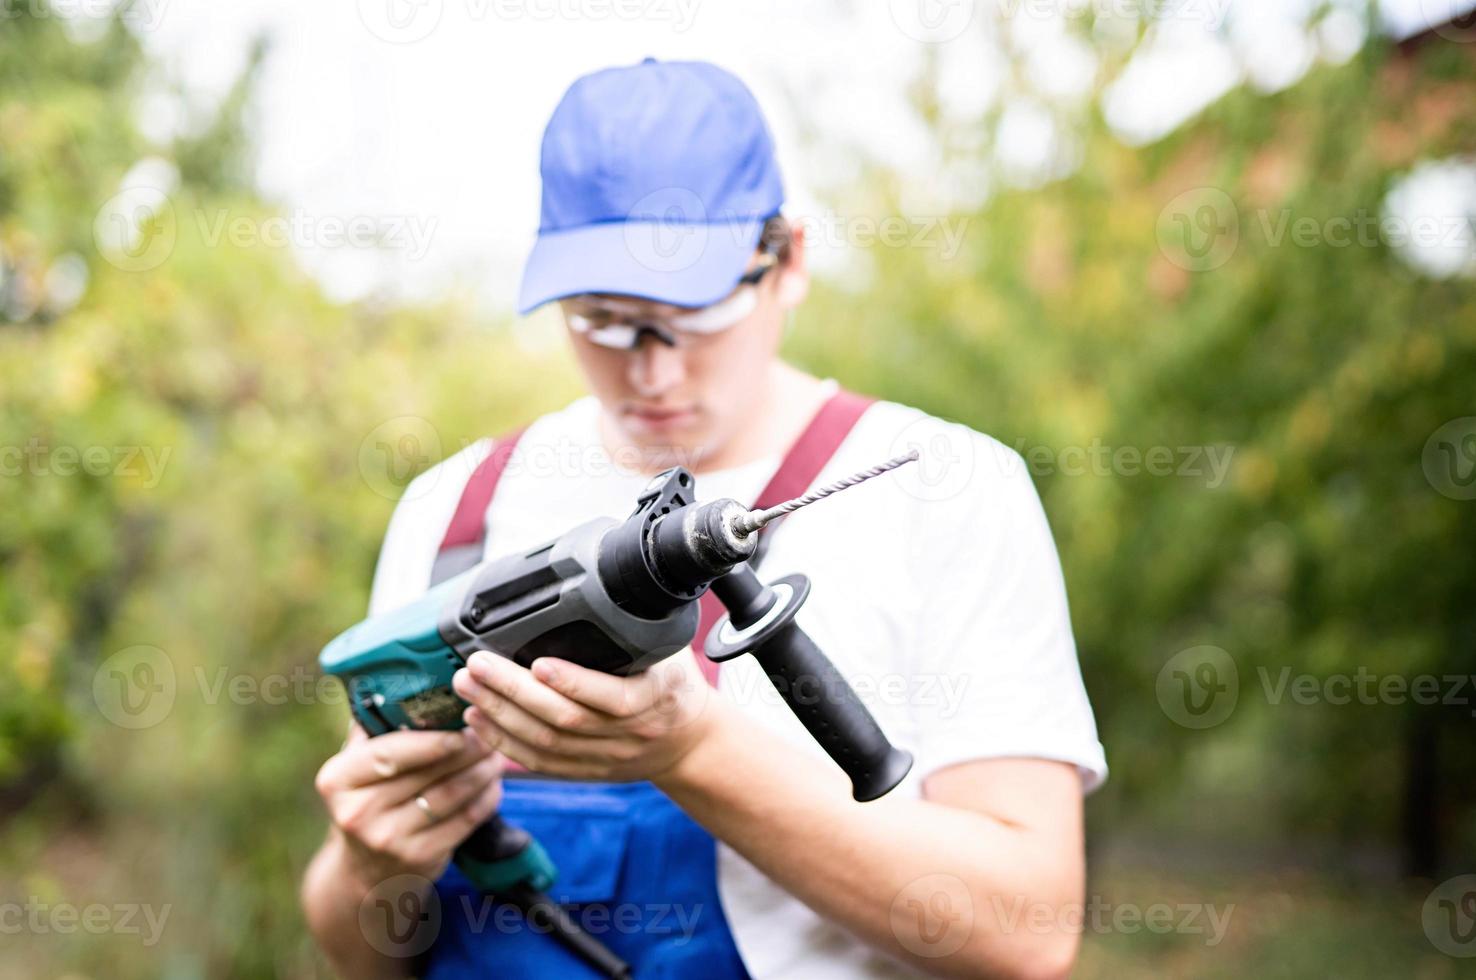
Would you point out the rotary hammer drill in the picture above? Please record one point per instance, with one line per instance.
(615, 597)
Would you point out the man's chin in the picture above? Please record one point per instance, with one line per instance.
(651, 452)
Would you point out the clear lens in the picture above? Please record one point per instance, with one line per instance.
(619, 336)
(608, 328)
(718, 316)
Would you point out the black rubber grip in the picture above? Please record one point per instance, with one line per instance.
(494, 840)
(824, 702)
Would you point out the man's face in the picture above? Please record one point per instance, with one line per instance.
(681, 404)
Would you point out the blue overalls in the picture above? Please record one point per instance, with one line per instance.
(635, 872)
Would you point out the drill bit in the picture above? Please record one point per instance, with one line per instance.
(747, 522)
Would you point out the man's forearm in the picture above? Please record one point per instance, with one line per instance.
(791, 814)
(332, 896)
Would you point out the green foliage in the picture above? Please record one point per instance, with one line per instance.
(1323, 369)
(232, 527)
(255, 437)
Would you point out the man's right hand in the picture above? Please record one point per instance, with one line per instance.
(403, 801)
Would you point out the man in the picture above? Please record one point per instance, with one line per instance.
(938, 593)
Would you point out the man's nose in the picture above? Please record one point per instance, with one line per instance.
(656, 367)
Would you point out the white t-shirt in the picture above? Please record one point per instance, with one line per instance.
(936, 591)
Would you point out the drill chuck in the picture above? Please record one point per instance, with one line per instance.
(698, 544)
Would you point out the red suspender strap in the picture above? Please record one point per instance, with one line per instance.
(804, 461)
(468, 523)
(462, 546)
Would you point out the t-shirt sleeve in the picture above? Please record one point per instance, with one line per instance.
(996, 630)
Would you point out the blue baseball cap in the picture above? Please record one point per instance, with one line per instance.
(657, 181)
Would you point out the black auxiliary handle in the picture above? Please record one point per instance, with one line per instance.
(760, 621)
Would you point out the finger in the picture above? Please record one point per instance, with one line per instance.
(406, 787)
(505, 717)
(446, 797)
(620, 697)
(374, 760)
(444, 835)
(589, 760)
(506, 680)
(551, 763)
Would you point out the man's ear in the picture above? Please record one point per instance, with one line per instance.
(794, 274)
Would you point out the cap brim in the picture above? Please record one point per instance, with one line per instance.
(685, 265)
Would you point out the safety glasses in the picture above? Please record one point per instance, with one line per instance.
(619, 324)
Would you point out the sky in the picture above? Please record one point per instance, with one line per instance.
(418, 122)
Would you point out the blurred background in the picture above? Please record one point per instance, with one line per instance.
(1209, 266)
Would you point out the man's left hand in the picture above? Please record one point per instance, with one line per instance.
(566, 720)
